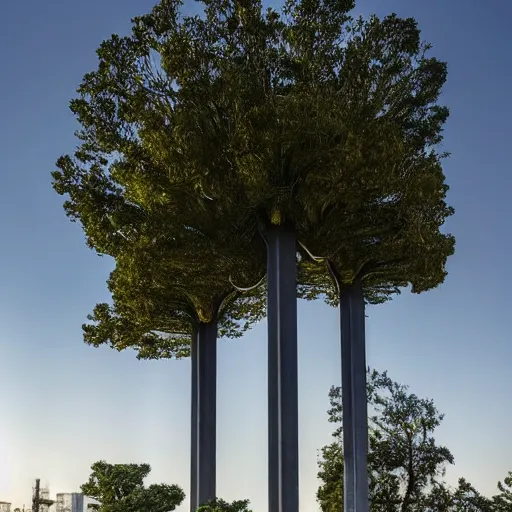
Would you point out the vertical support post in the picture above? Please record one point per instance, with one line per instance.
(36, 498)
(283, 438)
(204, 415)
(354, 400)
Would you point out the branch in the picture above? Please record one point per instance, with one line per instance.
(249, 289)
(370, 267)
(317, 259)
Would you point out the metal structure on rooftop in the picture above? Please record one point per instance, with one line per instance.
(41, 501)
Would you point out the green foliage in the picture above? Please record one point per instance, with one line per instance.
(120, 488)
(465, 498)
(405, 463)
(151, 339)
(198, 132)
(157, 305)
(380, 195)
(406, 466)
(218, 505)
(330, 493)
(503, 500)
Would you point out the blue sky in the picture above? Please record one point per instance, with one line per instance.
(65, 405)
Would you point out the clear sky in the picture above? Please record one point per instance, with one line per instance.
(65, 405)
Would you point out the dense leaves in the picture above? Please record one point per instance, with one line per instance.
(503, 500)
(218, 505)
(330, 492)
(157, 304)
(198, 132)
(383, 198)
(465, 498)
(120, 488)
(406, 465)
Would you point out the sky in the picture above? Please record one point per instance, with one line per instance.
(64, 405)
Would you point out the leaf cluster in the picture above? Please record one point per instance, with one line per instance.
(219, 505)
(405, 462)
(198, 132)
(503, 500)
(120, 488)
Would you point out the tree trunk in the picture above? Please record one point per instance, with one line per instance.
(204, 417)
(283, 443)
(354, 400)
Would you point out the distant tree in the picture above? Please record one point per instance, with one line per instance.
(120, 488)
(405, 463)
(219, 505)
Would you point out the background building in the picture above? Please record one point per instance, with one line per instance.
(41, 501)
(45, 500)
(69, 502)
(5, 507)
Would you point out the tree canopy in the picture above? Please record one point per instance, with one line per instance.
(120, 488)
(198, 132)
(406, 465)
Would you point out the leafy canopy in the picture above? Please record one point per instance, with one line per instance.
(406, 465)
(219, 505)
(198, 132)
(120, 488)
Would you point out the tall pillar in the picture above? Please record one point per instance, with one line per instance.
(354, 399)
(283, 441)
(204, 415)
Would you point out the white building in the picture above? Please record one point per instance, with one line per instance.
(44, 494)
(69, 502)
(5, 507)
